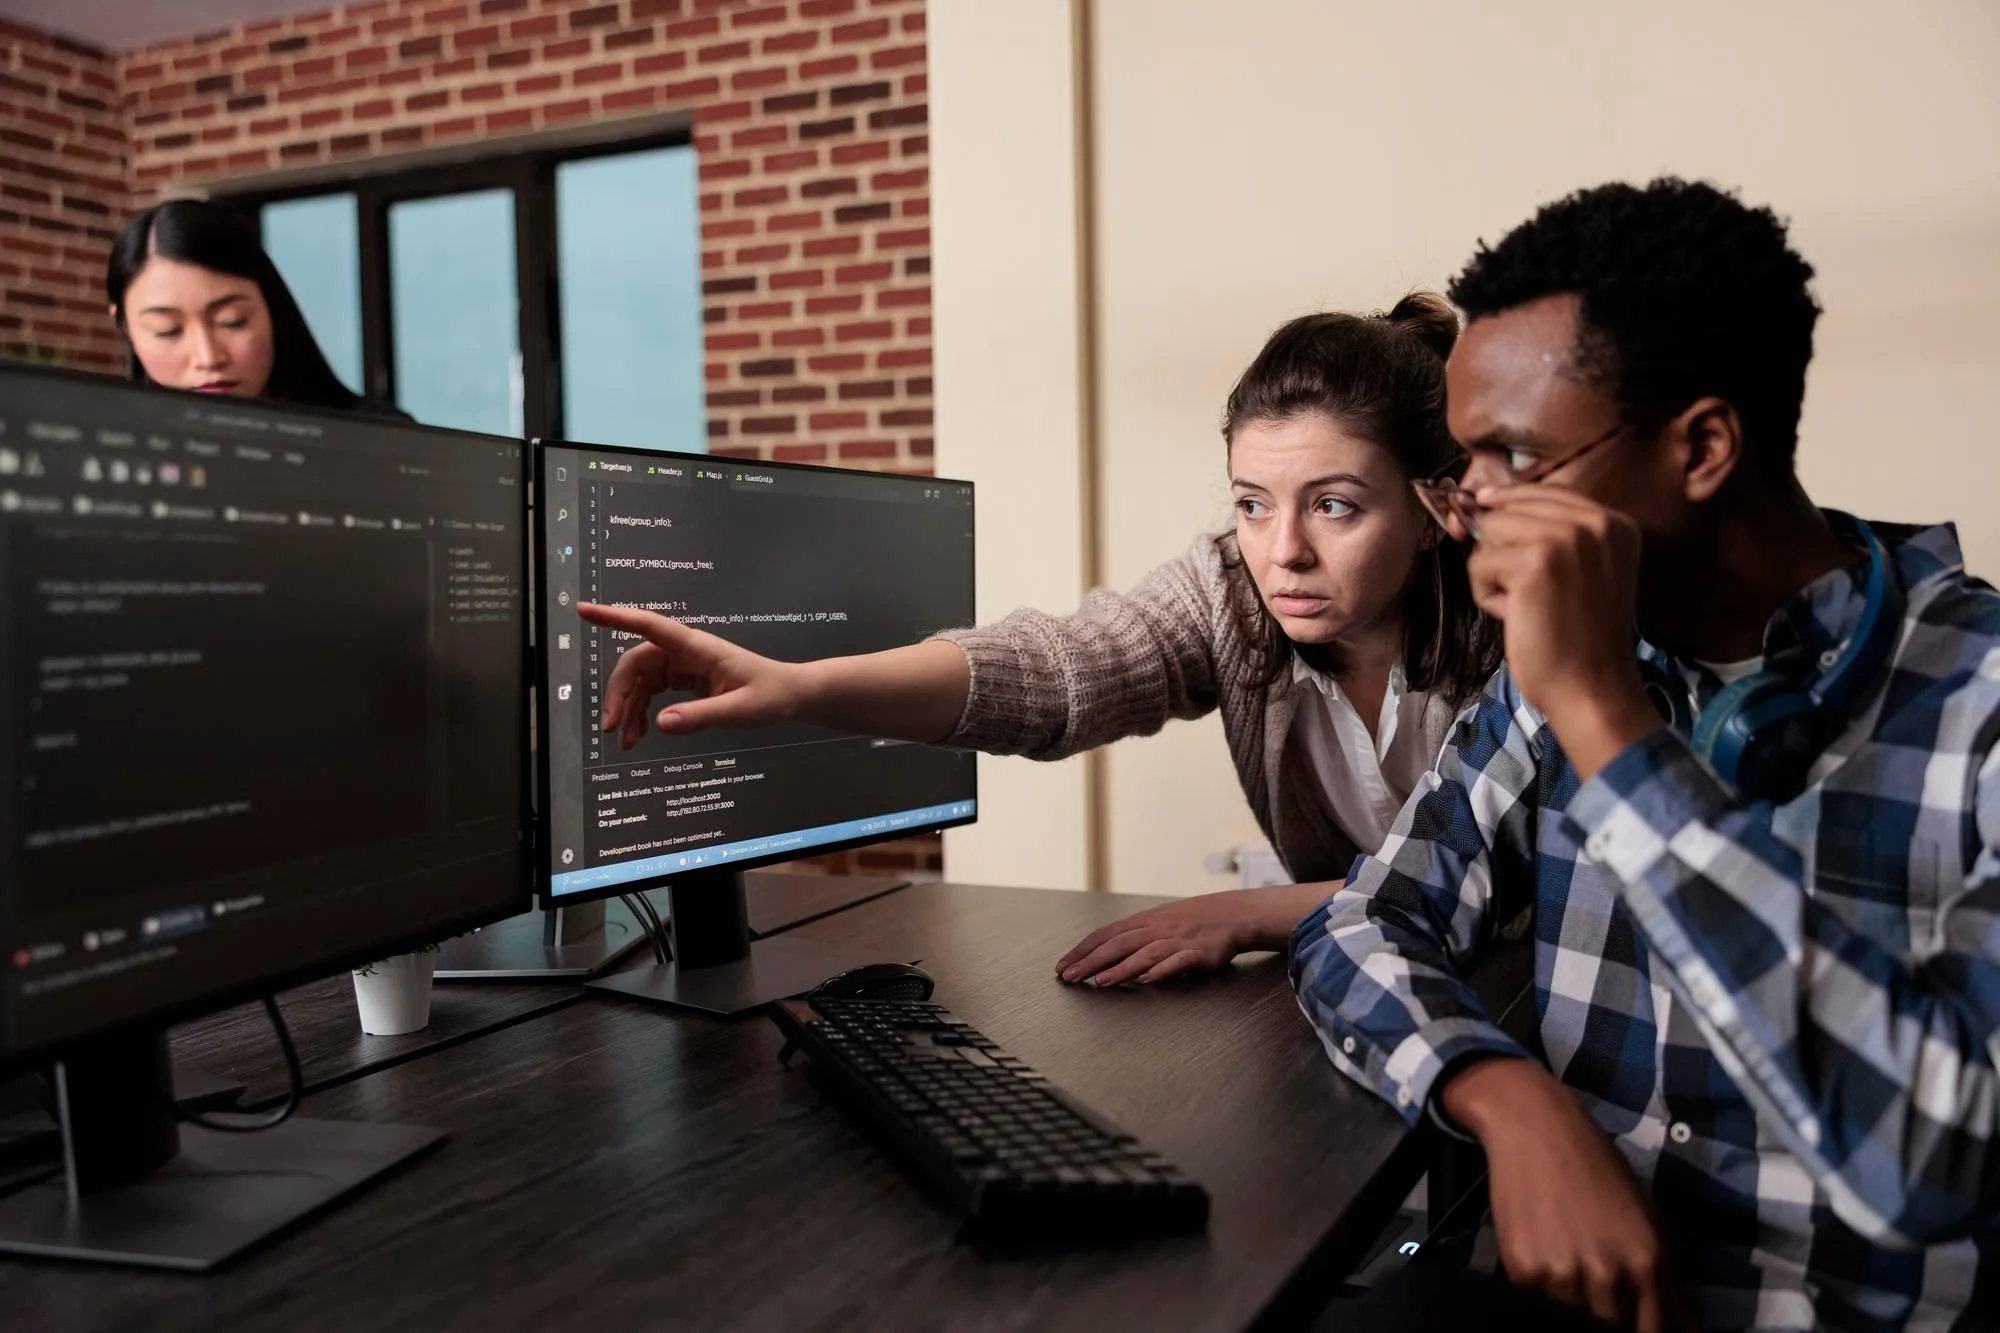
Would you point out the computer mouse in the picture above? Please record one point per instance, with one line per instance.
(876, 981)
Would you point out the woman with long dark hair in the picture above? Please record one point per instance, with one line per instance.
(203, 308)
(1331, 626)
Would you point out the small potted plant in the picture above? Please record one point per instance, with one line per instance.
(394, 994)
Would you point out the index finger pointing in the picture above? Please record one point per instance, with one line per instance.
(646, 624)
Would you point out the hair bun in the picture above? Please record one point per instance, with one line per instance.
(1429, 318)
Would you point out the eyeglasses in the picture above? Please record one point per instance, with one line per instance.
(1452, 505)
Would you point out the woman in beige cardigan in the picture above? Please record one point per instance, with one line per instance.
(1331, 627)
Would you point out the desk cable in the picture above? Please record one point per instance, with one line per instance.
(649, 921)
(270, 1120)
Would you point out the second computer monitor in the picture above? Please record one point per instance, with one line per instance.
(261, 697)
(262, 676)
(796, 563)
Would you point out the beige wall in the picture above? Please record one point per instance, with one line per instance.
(1258, 159)
(1005, 284)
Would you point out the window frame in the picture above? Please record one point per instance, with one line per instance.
(525, 164)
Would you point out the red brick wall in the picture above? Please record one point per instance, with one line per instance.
(810, 118)
(810, 121)
(62, 195)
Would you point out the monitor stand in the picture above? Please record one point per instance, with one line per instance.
(589, 939)
(140, 1188)
(27, 1116)
(717, 968)
(558, 944)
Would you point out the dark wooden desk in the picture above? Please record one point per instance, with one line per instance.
(237, 1043)
(782, 900)
(612, 1165)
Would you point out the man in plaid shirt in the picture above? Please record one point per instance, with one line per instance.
(1766, 1093)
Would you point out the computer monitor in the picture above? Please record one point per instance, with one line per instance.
(262, 717)
(792, 562)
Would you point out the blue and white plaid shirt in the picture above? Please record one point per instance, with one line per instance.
(1787, 1017)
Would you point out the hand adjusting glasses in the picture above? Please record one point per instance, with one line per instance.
(1455, 509)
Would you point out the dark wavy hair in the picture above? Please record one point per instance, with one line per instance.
(194, 231)
(1687, 291)
(1380, 376)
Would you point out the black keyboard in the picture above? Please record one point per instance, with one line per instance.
(1012, 1154)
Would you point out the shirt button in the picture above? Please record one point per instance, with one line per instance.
(1347, 1045)
(1598, 846)
(1403, 1095)
(1679, 1131)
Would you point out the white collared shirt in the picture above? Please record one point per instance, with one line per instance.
(1367, 779)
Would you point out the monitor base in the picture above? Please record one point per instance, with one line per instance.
(587, 940)
(560, 944)
(220, 1195)
(776, 969)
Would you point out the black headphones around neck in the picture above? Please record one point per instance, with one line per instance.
(1762, 733)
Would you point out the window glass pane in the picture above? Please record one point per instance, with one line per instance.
(316, 245)
(454, 313)
(629, 273)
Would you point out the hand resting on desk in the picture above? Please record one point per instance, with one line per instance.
(1193, 935)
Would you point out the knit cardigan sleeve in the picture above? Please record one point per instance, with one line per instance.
(1124, 663)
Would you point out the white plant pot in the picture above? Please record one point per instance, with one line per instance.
(395, 997)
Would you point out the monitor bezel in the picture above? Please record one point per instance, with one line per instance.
(15, 1058)
(545, 870)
